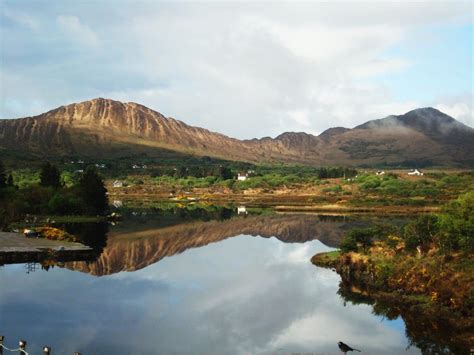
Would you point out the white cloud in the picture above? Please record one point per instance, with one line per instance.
(301, 117)
(77, 30)
(22, 18)
(462, 111)
(243, 69)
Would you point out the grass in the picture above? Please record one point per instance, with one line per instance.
(327, 259)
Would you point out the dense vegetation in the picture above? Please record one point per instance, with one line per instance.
(208, 174)
(424, 268)
(450, 231)
(49, 194)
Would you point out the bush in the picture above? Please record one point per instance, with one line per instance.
(62, 204)
(371, 183)
(456, 224)
(55, 234)
(348, 244)
(358, 237)
(420, 232)
(334, 189)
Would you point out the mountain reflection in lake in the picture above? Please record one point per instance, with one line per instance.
(228, 285)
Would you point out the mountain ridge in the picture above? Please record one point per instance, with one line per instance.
(103, 127)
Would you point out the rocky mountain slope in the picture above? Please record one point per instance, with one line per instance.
(104, 128)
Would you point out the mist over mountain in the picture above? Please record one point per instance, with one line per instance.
(103, 128)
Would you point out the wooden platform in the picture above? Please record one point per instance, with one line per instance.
(16, 248)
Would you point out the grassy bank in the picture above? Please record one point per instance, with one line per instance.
(433, 294)
(423, 272)
(446, 281)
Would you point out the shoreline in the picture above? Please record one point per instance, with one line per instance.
(434, 303)
(16, 248)
(293, 203)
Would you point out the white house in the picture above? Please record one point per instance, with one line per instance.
(242, 210)
(380, 172)
(415, 172)
(242, 176)
(118, 183)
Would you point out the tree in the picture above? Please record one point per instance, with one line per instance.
(3, 178)
(225, 173)
(50, 175)
(358, 237)
(93, 192)
(456, 224)
(420, 232)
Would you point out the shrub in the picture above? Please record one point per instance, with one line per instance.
(420, 232)
(55, 234)
(64, 204)
(335, 189)
(384, 272)
(348, 244)
(358, 237)
(456, 224)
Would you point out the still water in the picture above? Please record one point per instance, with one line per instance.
(196, 282)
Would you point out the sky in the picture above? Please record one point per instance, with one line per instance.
(244, 69)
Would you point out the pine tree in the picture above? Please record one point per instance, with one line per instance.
(93, 192)
(50, 175)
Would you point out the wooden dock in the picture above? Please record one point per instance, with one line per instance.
(16, 248)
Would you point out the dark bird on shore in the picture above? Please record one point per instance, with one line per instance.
(345, 348)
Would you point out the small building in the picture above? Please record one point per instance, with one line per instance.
(242, 176)
(380, 172)
(117, 183)
(415, 172)
(136, 166)
(242, 210)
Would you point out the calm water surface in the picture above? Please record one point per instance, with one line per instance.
(189, 283)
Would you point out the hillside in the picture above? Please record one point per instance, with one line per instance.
(105, 128)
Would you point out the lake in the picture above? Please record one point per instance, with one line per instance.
(196, 281)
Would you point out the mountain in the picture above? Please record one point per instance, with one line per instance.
(103, 128)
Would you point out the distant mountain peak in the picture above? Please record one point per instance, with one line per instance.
(424, 119)
(292, 135)
(428, 109)
(428, 113)
(104, 127)
(330, 132)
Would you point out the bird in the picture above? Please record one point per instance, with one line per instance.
(345, 348)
